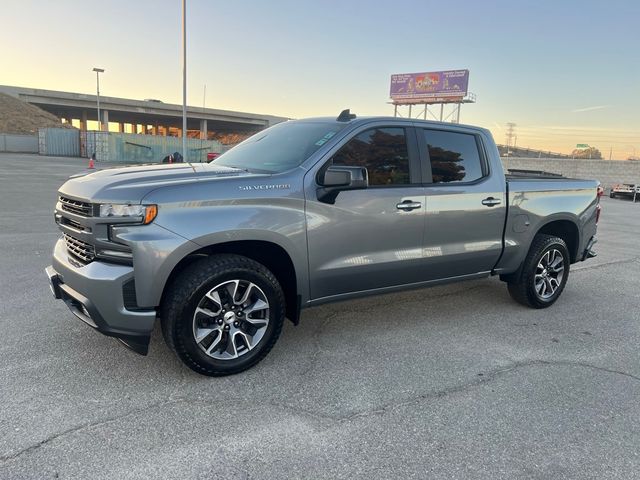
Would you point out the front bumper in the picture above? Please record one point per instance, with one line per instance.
(94, 294)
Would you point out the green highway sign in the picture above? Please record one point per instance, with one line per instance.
(582, 145)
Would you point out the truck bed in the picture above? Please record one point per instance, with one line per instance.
(535, 199)
(514, 173)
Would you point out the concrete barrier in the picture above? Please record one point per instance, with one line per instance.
(608, 172)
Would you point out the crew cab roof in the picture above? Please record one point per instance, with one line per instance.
(369, 119)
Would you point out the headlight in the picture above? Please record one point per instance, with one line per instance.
(146, 212)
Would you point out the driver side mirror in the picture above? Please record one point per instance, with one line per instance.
(336, 179)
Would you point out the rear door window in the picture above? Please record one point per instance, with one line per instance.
(454, 156)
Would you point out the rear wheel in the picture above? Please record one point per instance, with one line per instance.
(223, 314)
(544, 273)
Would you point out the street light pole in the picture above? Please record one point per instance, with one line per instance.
(98, 72)
(184, 81)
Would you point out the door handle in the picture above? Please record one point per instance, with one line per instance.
(491, 202)
(408, 205)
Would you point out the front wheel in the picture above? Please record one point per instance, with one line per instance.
(223, 314)
(544, 273)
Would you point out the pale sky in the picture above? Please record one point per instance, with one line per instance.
(565, 72)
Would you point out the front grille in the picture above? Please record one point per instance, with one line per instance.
(79, 249)
(75, 206)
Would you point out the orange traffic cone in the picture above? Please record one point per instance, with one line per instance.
(92, 163)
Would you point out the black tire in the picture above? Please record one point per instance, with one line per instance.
(612, 195)
(188, 290)
(522, 287)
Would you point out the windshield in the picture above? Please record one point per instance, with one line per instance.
(279, 148)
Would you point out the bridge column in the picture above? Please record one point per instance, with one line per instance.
(121, 127)
(83, 121)
(203, 129)
(105, 120)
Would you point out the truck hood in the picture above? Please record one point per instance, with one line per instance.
(131, 184)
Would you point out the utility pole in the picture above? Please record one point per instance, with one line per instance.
(204, 103)
(510, 134)
(98, 72)
(184, 81)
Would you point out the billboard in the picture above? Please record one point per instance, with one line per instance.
(429, 87)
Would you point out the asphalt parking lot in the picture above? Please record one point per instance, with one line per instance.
(456, 381)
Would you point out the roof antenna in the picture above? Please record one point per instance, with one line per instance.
(345, 116)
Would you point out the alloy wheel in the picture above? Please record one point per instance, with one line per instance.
(549, 274)
(231, 319)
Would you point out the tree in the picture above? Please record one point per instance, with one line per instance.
(591, 152)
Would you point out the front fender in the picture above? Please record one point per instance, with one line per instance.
(281, 222)
(156, 252)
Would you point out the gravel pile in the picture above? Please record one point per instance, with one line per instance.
(17, 116)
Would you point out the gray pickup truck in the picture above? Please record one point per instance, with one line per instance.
(304, 213)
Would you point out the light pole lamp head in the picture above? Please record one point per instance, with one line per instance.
(98, 70)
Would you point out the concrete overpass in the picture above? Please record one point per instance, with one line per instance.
(142, 116)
